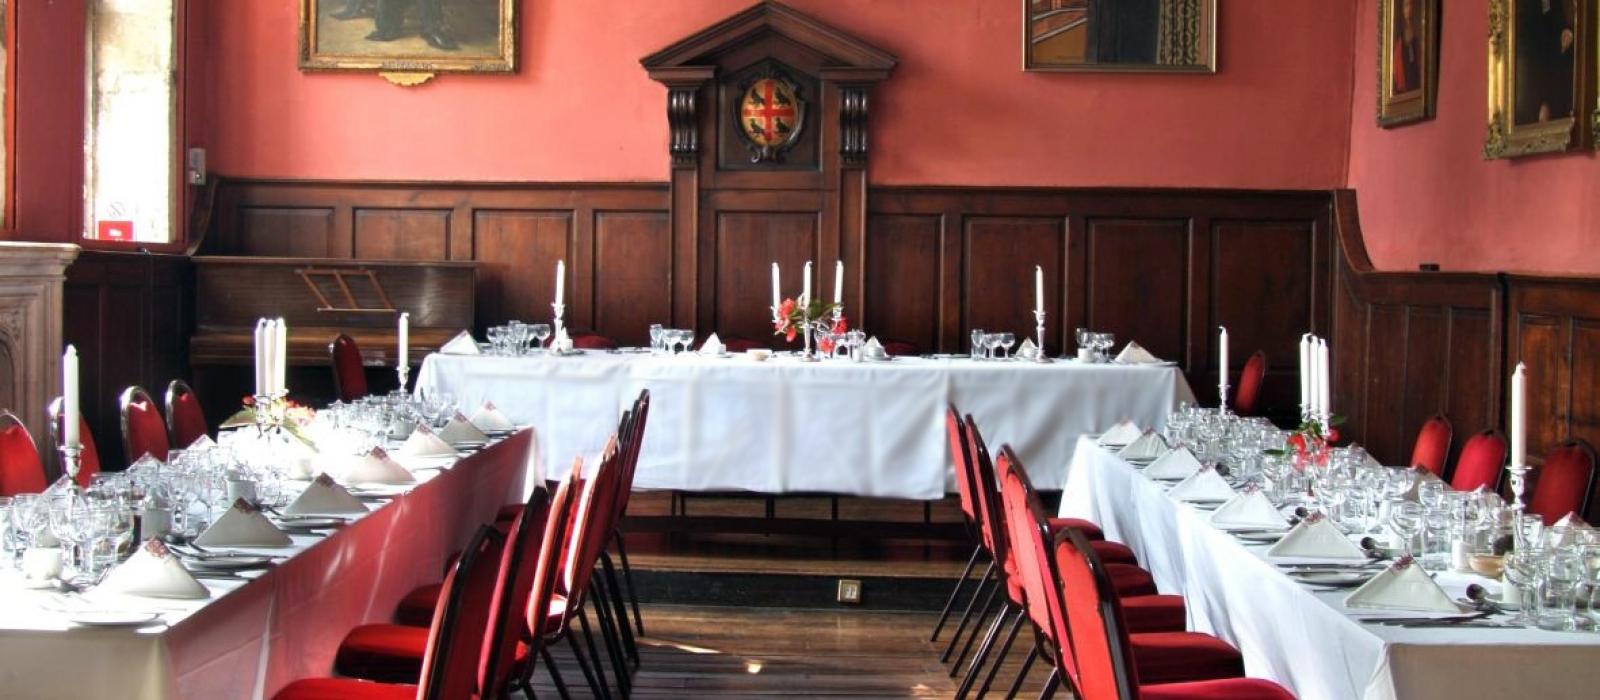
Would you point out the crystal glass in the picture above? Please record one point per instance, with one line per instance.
(656, 330)
(540, 331)
(1563, 576)
(1102, 344)
(1431, 493)
(1084, 337)
(1524, 569)
(1406, 519)
(497, 340)
(8, 543)
(1436, 537)
(1590, 553)
(976, 348)
(1005, 341)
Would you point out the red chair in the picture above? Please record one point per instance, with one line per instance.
(1482, 462)
(584, 340)
(453, 646)
(21, 471)
(633, 442)
(1103, 661)
(1432, 448)
(143, 430)
(1250, 378)
(1565, 483)
(900, 348)
(186, 421)
(89, 458)
(349, 372)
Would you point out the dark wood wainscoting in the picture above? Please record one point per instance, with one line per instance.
(130, 315)
(1553, 324)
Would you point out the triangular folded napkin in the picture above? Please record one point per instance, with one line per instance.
(1121, 434)
(712, 345)
(1147, 447)
(1175, 465)
(426, 443)
(325, 497)
(243, 526)
(1564, 532)
(874, 348)
(462, 344)
(378, 468)
(489, 419)
(153, 571)
(1403, 586)
(1027, 350)
(1135, 354)
(1203, 485)
(1316, 537)
(1250, 509)
(460, 430)
(204, 442)
(1570, 520)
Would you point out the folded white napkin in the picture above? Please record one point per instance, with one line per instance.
(1121, 434)
(153, 571)
(1027, 350)
(145, 463)
(462, 344)
(1135, 354)
(460, 430)
(488, 419)
(1203, 485)
(1372, 462)
(1177, 464)
(377, 468)
(1570, 520)
(1316, 537)
(1251, 509)
(426, 443)
(1566, 531)
(204, 442)
(873, 348)
(325, 497)
(1403, 586)
(1147, 447)
(243, 525)
(712, 345)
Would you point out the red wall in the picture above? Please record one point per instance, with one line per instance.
(1427, 195)
(958, 110)
(49, 62)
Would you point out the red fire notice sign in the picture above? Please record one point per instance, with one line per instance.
(115, 231)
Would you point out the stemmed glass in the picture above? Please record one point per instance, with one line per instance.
(684, 338)
(1524, 569)
(1406, 517)
(1005, 341)
(540, 332)
(1563, 576)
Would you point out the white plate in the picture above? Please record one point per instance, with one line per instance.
(311, 522)
(1334, 579)
(228, 563)
(112, 618)
(1261, 537)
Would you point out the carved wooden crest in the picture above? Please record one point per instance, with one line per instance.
(771, 116)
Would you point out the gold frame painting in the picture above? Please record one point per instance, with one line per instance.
(1528, 116)
(414, 38)
(1126, 36)
(1408, 61)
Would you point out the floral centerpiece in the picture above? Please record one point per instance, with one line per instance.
(1310, 445)
(282, 413)
(793, 318)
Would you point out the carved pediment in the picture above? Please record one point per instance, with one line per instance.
(850, 59)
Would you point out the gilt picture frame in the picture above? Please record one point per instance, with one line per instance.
(418, 37)
(1540, 55)
(1408, 61)
(1137, 36)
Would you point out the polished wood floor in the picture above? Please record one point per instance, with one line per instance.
(724, 652)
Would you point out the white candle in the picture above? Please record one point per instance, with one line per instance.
(1038, 289)
(777, 292)
(405, 340)
(805, 292)
(69, 392)
(838, 281)
(1324, 398)
(1305, 372)
(1519, 416)
(561, 281)
(1222, 356)
(269, 353)
(261, 356)
(281, 355)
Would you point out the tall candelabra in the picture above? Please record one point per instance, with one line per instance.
(1038, 320)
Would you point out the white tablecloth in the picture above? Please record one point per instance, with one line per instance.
(869, 429)
(1306, 640)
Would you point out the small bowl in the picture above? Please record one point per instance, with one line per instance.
(758, 354)
(1489, 565)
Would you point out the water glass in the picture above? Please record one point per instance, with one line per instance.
(1406, 519)
(656, 330)
(1558, 597)
(976, 348)
(540, 332)
(1524, 569)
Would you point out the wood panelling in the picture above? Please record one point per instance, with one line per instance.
(402, 234)
(628, 296)
(517, 251)
(284, 232)
(1138, 281)
(747, 243)
(1554, 328)
(999, 255)
(902, 278)
(1263, 273)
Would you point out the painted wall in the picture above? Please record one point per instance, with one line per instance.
(48, 132)
(958, 110)
(1427, 195)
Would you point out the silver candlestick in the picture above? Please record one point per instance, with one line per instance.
(1519, 483)
(404, 372)
(73, 457)
(807, 355)
(560, 310)
(1222, 394)
(1038, 319)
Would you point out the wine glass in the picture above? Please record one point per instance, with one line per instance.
(1563, 576)
(1005, 341)
(991, 342)
(685, 338)
(1406, 518)
(1083, 336)
(540, 332)
(1522, 569)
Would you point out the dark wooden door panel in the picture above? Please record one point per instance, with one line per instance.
(902, 279)
(1000, 254)
(1584, 404)
(1262, 290)
(747, 243)
(286, 232)
(1137, 286)
(632, 274)
(402, 234)
(517, 253)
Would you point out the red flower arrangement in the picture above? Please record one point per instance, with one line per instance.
(1308, 445)
(791, 317)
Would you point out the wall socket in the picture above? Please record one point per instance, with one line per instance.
(850, 591)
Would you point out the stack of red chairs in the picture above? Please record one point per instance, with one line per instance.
(1080, 617)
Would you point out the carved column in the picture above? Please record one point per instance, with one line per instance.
(31, 276)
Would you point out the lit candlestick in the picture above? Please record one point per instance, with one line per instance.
(405, 340)
(561, 280)
(69, 392)
(1038, 289)
(838, 282)
(1519, 416)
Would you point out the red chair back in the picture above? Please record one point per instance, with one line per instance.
(349, 374)
(592, 341)
(739, 343)
(633, 430)
(991, 516)
(961, 456)
(1432, 448)
(186, 421)
(1027, 539)
(21, 471)
(143, 430)
(593, 529)
(547, 574)
(1565, 482)
(900, 348)
(89, 458)
(1098, 653)
(518, 566)
(1246, 398)
(455, 640)
(1482, 461)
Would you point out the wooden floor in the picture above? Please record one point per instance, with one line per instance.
(713, 652)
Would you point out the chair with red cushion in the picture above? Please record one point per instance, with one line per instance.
(1246, 398)
(633, 442)
(955, 431)
(453, 646)
(21, 470)
(1104, 661)
(900, 348)
(1565, 483)
(1482, 462)
(143, 430)
(1432, 448)
(585, 340)
(739, 344)
(89, 457)
(349, 372)
(186, 421)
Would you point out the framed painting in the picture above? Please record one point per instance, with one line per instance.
(1537, 64)
(409, 36)
(1120, 35)
(1408, 60)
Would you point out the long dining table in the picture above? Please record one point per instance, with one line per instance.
(783, 425)
(1304, 637)
(254, 635)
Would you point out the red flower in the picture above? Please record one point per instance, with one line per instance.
(1298, 442)
(1333, 434)
(789, 334)
(249, 401)
(825, 345)
(841, 325)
